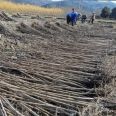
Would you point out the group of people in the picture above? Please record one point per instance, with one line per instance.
(74, 16)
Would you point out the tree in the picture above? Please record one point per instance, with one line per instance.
(105, 13)
(113, 13)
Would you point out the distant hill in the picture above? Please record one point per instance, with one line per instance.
(34, 2)
(89, 5)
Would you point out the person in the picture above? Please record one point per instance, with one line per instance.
(83, 18)
(72, 17)
(92, 18)
(68, 18)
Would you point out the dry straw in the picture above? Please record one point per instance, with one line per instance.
(12, 7)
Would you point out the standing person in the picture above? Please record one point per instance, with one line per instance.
(93, 18)
(73, 17)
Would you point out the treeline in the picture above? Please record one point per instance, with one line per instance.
(108, 13)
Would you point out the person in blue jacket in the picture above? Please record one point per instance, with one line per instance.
(72, 17)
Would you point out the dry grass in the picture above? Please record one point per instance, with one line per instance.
(49, 68)
(12, 7)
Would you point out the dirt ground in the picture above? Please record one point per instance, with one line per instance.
(49, 68)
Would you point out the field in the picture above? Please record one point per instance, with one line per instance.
(26, 8)
(49, 68)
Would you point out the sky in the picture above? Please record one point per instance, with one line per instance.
(113, 1)
(56, 0)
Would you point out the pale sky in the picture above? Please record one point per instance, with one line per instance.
(57, 0)
(101, 0)
(114, 1)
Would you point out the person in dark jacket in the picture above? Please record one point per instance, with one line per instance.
(83, 18)
(68, 18)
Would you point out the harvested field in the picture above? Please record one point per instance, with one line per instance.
(49, 68)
